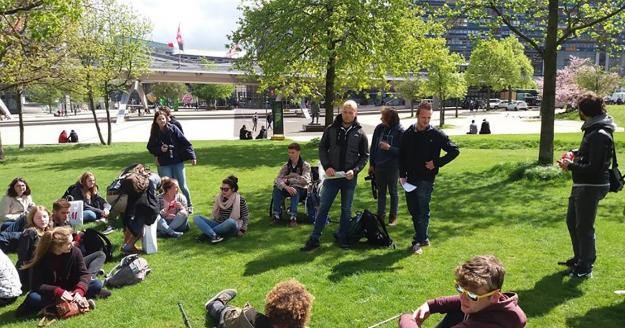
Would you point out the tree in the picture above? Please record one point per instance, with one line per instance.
(444, 79)
(492, 65)
(549, 24)
(411, 90)
(109, 53)
(45, 94)
(594, 78)
(524, 75)
(169, 91)
(213, 92)
(329, 46)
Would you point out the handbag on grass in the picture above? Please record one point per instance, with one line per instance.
(62, 309)
(616, 178)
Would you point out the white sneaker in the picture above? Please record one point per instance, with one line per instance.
(416, 249)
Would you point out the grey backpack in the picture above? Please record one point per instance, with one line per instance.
(130, 270)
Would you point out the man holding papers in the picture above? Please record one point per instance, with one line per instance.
(343, 148)
(419, 160)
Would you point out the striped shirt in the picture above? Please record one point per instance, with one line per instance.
(225, 214)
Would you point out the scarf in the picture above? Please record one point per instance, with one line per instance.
(233, 202)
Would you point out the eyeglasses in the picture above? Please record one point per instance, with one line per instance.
(472, 296)
(224, 189)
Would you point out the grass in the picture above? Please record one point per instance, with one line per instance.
(616, 111)
(489, 200)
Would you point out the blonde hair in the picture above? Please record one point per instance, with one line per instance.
(289, 304)
(83, 185)
(51, 240)
(350, 103)
(30, 220)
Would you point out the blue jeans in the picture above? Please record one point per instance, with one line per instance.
(90, 216)
(330, 188)
(34, 301)
(177, 172)
(418, 202)
(9, 241)
(580, 220)
(278, 196)
(213, 228)
(177, 224)
(14, 225)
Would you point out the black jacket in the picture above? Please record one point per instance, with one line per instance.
(181, 148)
(344, 149)
(594, 156)
(392, 136)
(418, 147)
(95, 204)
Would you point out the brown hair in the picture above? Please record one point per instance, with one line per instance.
(30, 219)
(60, 204)
(167, 183)
(424, 105)
(390, 116)
(51, 240)
(289, 304)
(11, 191)
(481, 271)
(295, 146)
(590, 104)
(88, 193)
(233, 182)
(155, 128)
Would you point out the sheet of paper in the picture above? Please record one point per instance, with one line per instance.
(408, 187)
(337, 175)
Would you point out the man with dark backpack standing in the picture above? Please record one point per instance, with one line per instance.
(590, 169)
(419, 162)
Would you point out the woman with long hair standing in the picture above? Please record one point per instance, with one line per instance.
(171, 148)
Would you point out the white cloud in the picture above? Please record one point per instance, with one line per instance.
(204, 24)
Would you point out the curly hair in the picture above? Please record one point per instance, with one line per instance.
(481, 271)
(289, 304)
(590, 104)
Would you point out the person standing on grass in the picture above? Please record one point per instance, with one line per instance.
(171, 148)
(384, 161)
(480, 304)
(419, 162)
(343, 148)
(589, 168)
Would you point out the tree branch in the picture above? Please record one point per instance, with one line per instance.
(515, 30)
(23, 8)
(570, 31)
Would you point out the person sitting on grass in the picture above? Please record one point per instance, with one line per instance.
(59, 273)
(480, 303)
(173, 209)
(94, 206)
(229, 216)
(60, 213)
(15, 205)
(262, 134)
(288, 304)
(292, 181)
(10, 286)
(37, 223)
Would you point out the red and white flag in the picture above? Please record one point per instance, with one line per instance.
(179, 39)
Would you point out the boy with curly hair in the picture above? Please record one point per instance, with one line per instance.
(480, 302)
(288, 304)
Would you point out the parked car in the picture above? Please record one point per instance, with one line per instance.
(494, 103)
(517, 105)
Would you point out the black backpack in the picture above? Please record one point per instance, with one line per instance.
(94, 241)
(147, 206)
(367, 224)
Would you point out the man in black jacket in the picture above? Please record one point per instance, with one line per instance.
(343, 152)
(419, 161)
(589, 168)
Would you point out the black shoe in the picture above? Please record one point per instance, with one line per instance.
(569, 263)
(345, 245)
(580, 273)
(275, 219)
(223, 296)
(104, 293)
(310, 245)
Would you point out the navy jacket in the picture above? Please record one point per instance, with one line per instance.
(418, 147)
(386, 158)
(180, 148)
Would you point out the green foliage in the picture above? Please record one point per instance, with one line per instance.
(172, 91)
(594, 78)
(492, 65)
(44, 94)
(212, 91)
(411, 89)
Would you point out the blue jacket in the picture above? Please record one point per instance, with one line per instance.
(180, 149)
(385, 158)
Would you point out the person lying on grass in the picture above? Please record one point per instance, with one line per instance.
(480, 303)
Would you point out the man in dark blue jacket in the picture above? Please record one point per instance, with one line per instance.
(343, 152)
(589, 167)
(419, 161)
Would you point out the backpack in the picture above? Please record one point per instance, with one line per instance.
(147, 206)
(94, 241)
(131, 269)
(356, 230)
(367, 224)
(133, 179)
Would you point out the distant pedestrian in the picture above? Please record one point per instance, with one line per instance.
(472, 128)
(314, 112)
(73, 136)
(262, 134)
(63, 138)
(269, 120)
(255, 121)
(485, 128)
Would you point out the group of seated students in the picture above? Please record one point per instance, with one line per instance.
(245, 134)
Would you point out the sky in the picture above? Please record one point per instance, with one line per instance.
(204, 24)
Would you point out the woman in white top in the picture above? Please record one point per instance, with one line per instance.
(15, 205)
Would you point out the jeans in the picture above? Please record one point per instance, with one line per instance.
(330, 188)
(14, 225)
(95, 262)
(34, 301)
(9, 241)
(177, 172)
(418, 202)
(580, 219)
(213, 228)
(279, 195)
(90, 216)
(177, 224)
(386, 177)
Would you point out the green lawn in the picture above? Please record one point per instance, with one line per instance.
(481, 205)
(616, 111)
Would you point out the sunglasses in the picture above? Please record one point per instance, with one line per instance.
(472, 296)
(224, 189)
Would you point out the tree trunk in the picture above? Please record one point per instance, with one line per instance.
(18, 94)
(456, 108)
(442, 109)
(95, 117)
(411, 108)
(330, 77)
(1, 149)
(547, 107)
(487, 99)
(108, 115)
(509, 93)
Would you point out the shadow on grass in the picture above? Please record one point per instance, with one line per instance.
(604, 317)
(548, 293)
(9, 317)
(276, 260)
(378, 263)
